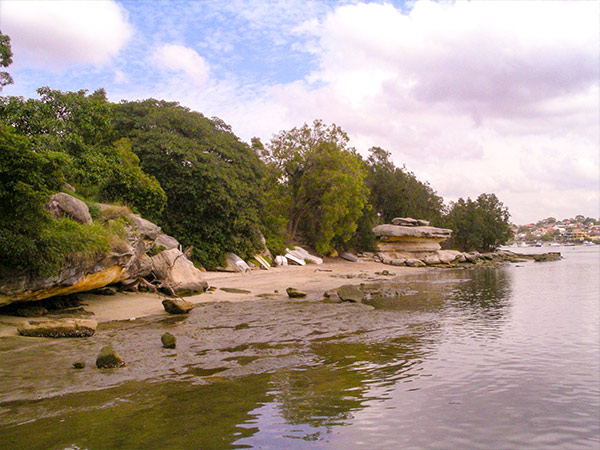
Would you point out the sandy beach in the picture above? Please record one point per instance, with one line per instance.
(272, 284)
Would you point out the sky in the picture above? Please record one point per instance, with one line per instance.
(472, 96)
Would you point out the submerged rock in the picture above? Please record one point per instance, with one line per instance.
(544, 257)
(350, 293)
(177, 306)
(168, 340)
(108, 358)
(295, 293)
(78, 364)
(58, 328)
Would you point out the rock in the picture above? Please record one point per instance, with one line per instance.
(166, 241)
(68, 187)
(349, 257)
(144, 227)
(431, 260)
(544, 257)
(413, 262)
(409, 222)
(61, 204)
(107, 290)
(350, 293)
(58, 328)
(398, 262)
(235, 290)
(235, 264)
(174, 269)
(448, 256)
(140, 267)
(472, 257)
(108, 358)
(168, 340)
(295, 293)
(32, 311)
(420, 232)
(177, 306)
(280, 260)
(78, 364)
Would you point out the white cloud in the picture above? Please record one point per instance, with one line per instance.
(57, 34)
(182, 59)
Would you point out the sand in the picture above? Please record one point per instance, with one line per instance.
(272, 284)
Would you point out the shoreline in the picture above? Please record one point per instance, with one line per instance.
(257, 284)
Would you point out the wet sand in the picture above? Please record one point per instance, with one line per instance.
(265, 284)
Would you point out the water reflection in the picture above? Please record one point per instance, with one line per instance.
(247, 374)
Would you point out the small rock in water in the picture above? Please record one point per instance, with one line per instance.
(108, 358)
(350, 293)
(168, 340)
(295, 293)
(177, 306)
(78, 365)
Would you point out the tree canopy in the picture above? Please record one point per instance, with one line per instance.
(480, 224)
(5, 60)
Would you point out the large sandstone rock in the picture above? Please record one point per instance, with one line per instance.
(409, 222)
(61, 204)
(166, 241)
(58, 328)
(144, 227)
(173, 268)
(403, 231)
(350, 293)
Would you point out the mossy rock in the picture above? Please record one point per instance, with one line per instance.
(168, 340)
(108, 358)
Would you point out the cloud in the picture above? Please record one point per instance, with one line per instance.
(57, 34)
(182, 59)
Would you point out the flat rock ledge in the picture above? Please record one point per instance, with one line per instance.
(58, 328)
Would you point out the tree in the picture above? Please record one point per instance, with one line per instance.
(5, 60)
(212, 180)
(322, 182)
(80, 126)
(396, 192)
(478, 225)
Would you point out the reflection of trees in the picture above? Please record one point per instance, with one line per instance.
(168, 415)
(327, 394)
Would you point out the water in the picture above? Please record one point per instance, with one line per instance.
(487, 358)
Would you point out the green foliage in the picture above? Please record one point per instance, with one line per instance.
(395, 192)
(478, 225)
(5, 59)
(319, 184)
(212, 179)
(30, 240)
(80, 127)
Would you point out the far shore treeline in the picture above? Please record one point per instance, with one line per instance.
(196, 179)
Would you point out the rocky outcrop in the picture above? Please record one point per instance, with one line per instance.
(126, 262)
(58, 328)
(411, 239)
(350, 293)
(62, 204)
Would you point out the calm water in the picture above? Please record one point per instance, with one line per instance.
(485, 358)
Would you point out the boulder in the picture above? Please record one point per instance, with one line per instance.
(177, 306)
(62, 204)
(409, 222)
(108, 358)
(166, 241)
(544, 257)
(58, 328)
(144, 227)
(295, 293)
(168, 340)
(350, 293)
(174, 269)
(79, 364)
(413, 262)
(448, 256)
(431, 260)
(387, 230)
(349, 256)
(398, 262)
